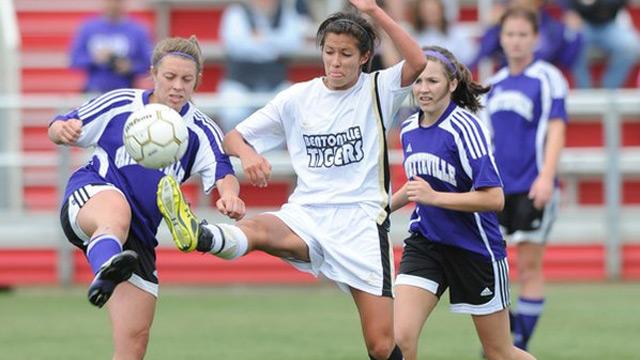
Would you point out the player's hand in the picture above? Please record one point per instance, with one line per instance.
(123, 66)
(67, 132)
(420, 191)
(231, 206)
(102, 56)
(541, 191)
(365, 6)
(256, 168)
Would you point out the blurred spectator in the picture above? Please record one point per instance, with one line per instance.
(558, 43)
(257, 37)
(433, 27)
(113, 49)
(451, 10)
(607, 27)
(386, 54)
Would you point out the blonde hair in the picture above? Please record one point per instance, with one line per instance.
(187, 48)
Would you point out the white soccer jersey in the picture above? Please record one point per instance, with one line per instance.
(335, 138)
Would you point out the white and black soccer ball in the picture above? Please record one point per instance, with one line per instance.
(155, 136)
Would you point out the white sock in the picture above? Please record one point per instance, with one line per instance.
(229, 242)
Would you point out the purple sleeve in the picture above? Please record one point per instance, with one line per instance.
(73, 114)
(572, 43)
(223, 167)
(489, 46)
(477, 145)
(558, 110)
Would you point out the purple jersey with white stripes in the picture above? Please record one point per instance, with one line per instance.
(453, 155)
(519, 108)
(103, 120)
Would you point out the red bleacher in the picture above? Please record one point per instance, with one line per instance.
(44, 32)
(39, 35)
(583, 262)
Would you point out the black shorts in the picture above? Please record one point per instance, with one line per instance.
(477, 285)
(519, 214)
(523, 222)
(146, 267)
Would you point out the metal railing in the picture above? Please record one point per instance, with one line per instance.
(612, 162)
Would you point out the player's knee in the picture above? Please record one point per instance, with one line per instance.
(138, 342)
(529, 272)
(380, 349)
(496, 352)
(405, 339)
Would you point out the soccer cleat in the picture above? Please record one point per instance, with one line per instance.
(116, 270)
(182, 223)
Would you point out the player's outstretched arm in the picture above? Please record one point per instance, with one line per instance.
(65, 132)
(406, 45)
(255, 166)
(230, 203)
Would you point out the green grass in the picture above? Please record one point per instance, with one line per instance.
(582, 321)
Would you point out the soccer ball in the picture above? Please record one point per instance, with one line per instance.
(155, 136)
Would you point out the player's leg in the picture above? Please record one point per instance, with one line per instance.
(532, 227)
(376, 318)
(96, 218)
(494, 334)
(264, 232)
(411, 309)
(531, 298)
(419, 285)
(131, 311)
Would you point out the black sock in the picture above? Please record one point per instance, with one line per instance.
(205, 238)
(396, 354)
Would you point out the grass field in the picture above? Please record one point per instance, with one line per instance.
(582, 321)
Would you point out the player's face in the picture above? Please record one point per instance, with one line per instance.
(175, 80)
(342, 61)
(518, 39)
(432, 90)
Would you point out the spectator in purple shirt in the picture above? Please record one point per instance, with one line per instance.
(557, 43)
(112, 48)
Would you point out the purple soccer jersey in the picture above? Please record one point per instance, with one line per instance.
(453, 155)
(519, 108)
(103, 120)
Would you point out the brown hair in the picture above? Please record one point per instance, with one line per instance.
(467, 92)
(351, 24)
(523, 13)
(187, 48)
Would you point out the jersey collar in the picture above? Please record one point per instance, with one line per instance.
(145, 100)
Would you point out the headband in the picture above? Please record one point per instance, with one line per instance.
(443, 59)
(349, 21)
(183, 54)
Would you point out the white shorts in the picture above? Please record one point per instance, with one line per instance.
(70, 214)
(345, 244)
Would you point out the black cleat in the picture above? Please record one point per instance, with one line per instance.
(116, 270)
